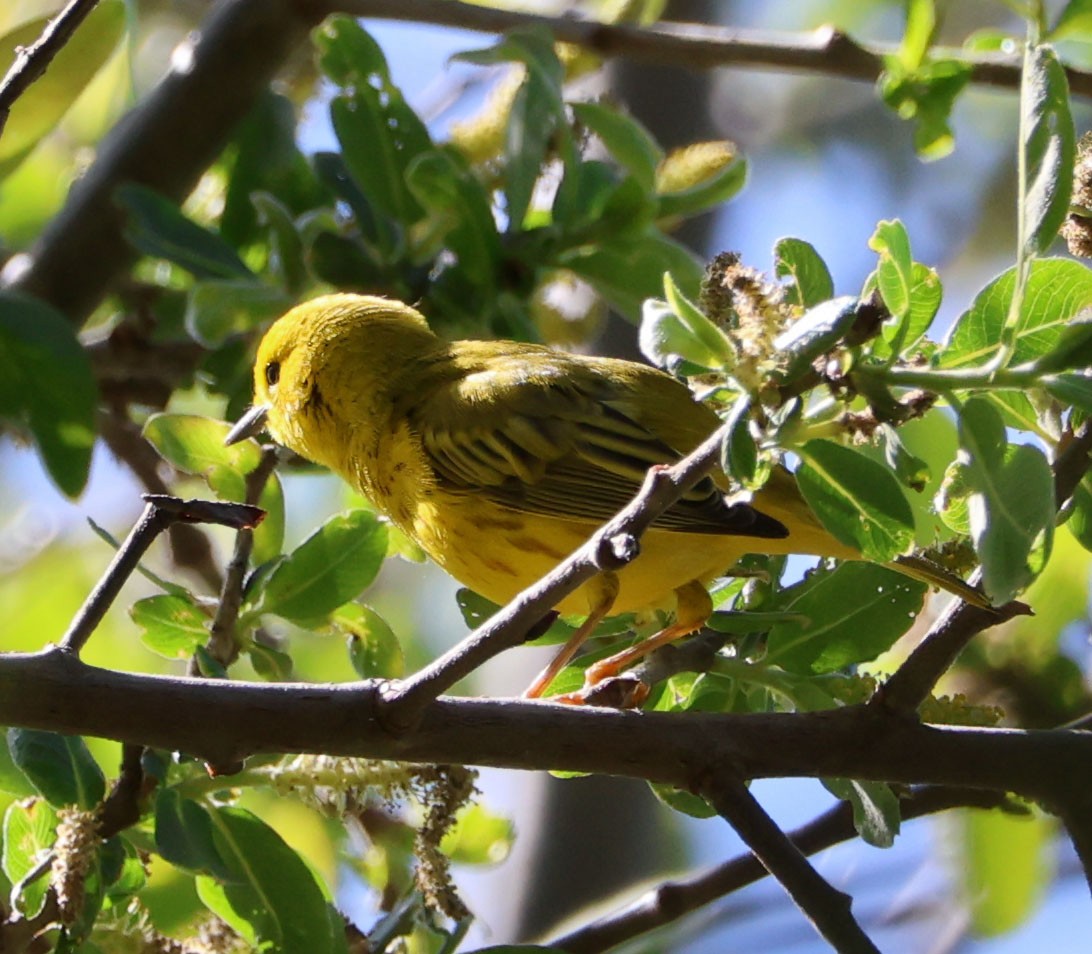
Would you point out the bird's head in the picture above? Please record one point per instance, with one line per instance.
(322, 361)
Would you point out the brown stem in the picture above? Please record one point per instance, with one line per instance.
(828, 909)
(32, 61)
(672, 900)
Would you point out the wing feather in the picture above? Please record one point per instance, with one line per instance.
(546, 433)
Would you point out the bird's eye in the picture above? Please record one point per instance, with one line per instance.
(272, 373)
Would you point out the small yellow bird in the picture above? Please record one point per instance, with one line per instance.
(500, 458)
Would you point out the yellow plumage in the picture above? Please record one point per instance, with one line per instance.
(500, 458)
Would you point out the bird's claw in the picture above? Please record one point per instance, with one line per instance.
(615, 692)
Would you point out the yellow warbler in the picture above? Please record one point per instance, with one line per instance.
(500, 458)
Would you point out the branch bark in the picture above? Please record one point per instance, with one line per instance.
(223, 722)
(672, 900)
(32, 61)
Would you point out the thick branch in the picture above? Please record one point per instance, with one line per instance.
(167, 142)
(222, 722)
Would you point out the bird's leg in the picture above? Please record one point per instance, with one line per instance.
(694, 607)
(605, 588)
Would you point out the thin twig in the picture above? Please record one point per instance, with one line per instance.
(32, 61)
(695, 46)
(609, 548)
(828, 909)
(159, 513)
(222, 644)
(671, 900)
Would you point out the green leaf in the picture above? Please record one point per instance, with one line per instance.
(285, 244)
(721, 186)
(1080, 516)
(926, 94)
(374, 649)
(332, 566)
(858, 500)
(195, 445)
(1006, 867)
(173, 626)
(478, 837)
(1073, 349)
(12, 780)
(156, 227)
(537, 113)
(1071, 389)
(1057, 291)
(269, 663)
(264, 158)
(462, 223)
(1049, 148)
(271, 898)
(630, 270)
(926, 293)
(739, 452)
(816, 331)
(60, 767)
(220, 308)
(30, 829)
(682, 801)
(628, 142)
(184, 835)
(908, 467)
(38, 109)
(894, 273)
(1074, 22)
(847, 616)
(380, 134)
(678, 329)
(46, 386)
(809, 278)
(1011, 506)
(876, 813)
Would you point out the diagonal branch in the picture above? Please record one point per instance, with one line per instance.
(612, 546)
(671, 900)
(32, 61)
(828, 909)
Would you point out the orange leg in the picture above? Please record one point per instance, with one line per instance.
(607, 586)
(694, 608)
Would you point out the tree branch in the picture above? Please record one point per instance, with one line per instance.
(828, 909)
(32, 61)
(222, 722)
(166, 143)
(695, 46)
(159, 514)
(671, 900)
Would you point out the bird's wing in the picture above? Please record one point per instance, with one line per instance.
(560, 436)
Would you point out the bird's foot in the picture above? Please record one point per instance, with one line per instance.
(612, 692)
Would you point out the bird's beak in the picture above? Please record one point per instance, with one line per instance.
(251, 424)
